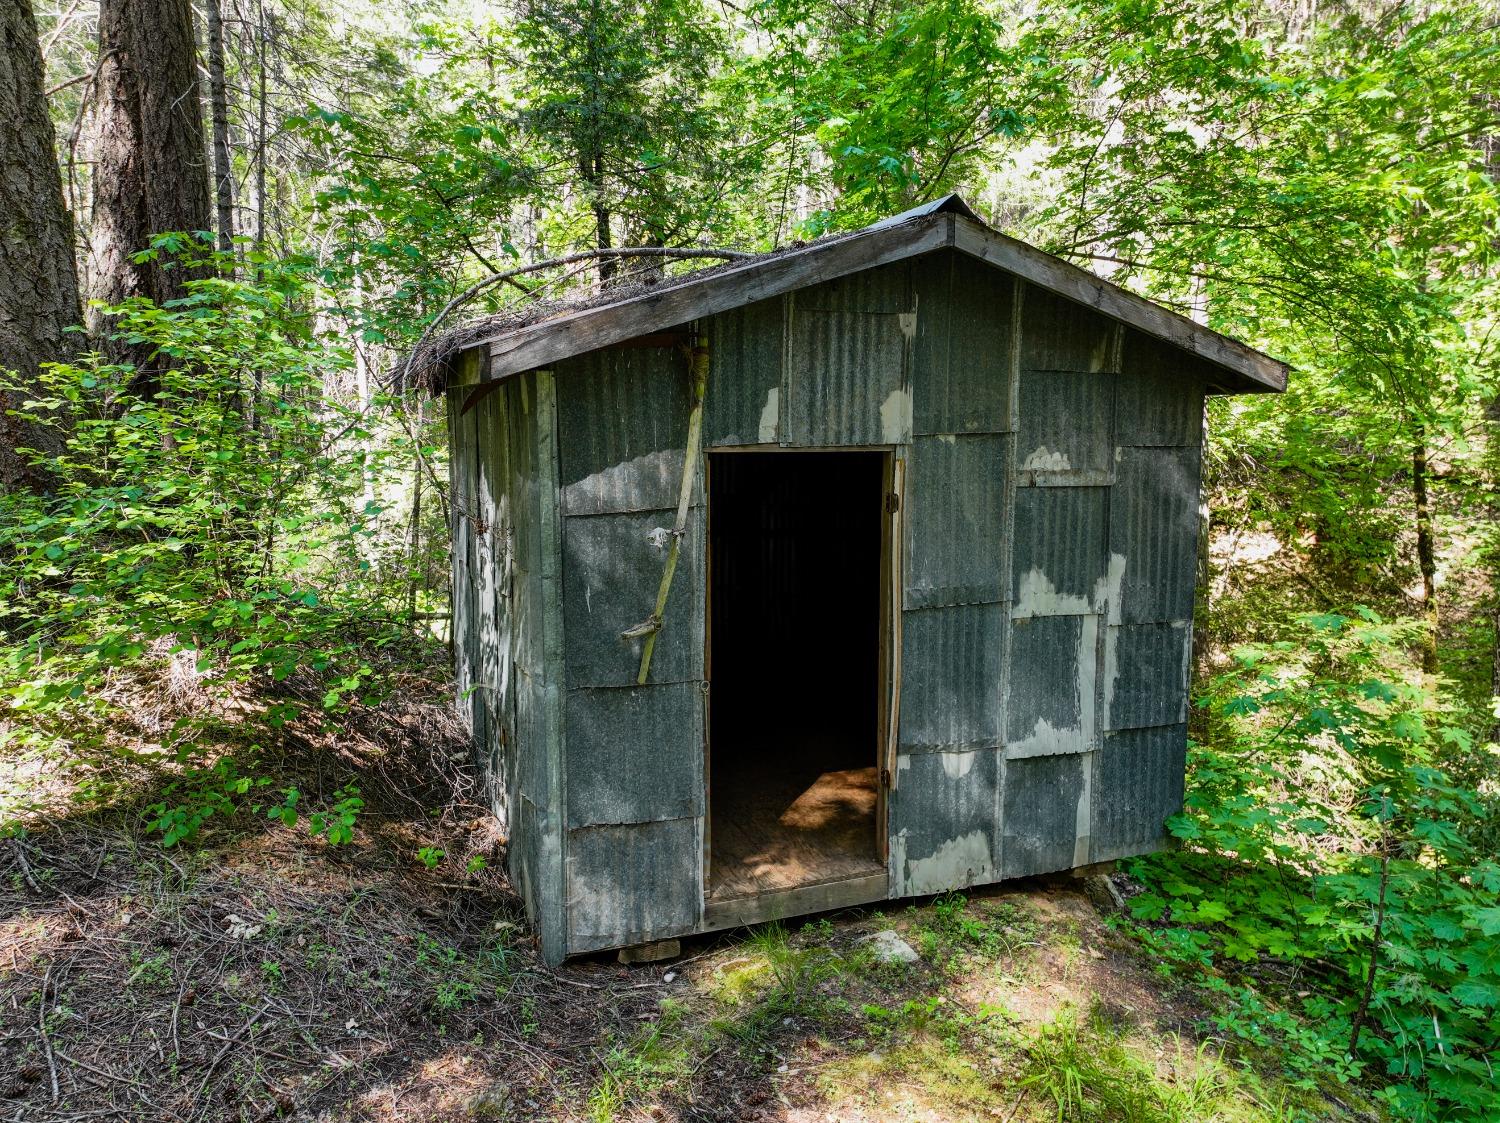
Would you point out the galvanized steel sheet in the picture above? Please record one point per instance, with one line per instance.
(1050, 696)
(952, 677)
(1161, 392)
(745, 351)
(1146, 675)
(943, 821)
(612, 568)
(1059, 560)
(622, 429)
(631, 884)
(962, 356)
(634, 754)
(1057, 334)
(1045, 812)
(1065, 431)
(1153, 531)
(1138, 781)
(956, 492)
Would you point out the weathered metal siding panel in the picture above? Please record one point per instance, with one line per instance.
(536, 843)
(1153, 533)
(633, 773)
(956, 496)
(943, 821)
(1066, 428)
(461, 455)
(622, 427)
(1146, 675)
(1138, 780)
(1045, 814)
(745, 351)
(1059, 550)
(1051, 688)
(491, 588)
(846, 362)
(1160, 394)
(961, 355)
(952, 670)
(1058, 334)
(632, 884)
(612, 568)
(626, 759)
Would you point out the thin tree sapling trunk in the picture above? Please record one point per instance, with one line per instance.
(1426, 559)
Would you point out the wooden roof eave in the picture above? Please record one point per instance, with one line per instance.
(536, 346)
(1248, 370)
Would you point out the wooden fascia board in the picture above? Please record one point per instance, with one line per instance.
(1257, 373)
(588, 329)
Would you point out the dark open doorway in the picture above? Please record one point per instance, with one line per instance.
(795, 571)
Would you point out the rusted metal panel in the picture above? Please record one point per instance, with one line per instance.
(1060, 541)
(1138, 782)
(961, 356)
(1160, 396)
(633, 883)
(1050, 688)
(1146, 675)
(943, 821)
(1153, 534)
(956, 493)
(745, 351)
(612, 567)
(951, 659)
(635, 754)
(1058, 334)
(1065, 434)
(1045, 814)
(622, 427)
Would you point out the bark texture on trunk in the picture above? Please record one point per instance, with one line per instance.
(38, 275)
(218, 100)
(150, 159)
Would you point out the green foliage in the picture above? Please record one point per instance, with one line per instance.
(1324, 832)
(204, 517)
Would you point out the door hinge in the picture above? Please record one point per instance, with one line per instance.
(892, 502)
(885, 777)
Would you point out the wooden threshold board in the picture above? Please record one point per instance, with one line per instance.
(736, 912)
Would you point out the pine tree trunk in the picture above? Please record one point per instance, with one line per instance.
(150, 159)
(38, 276)
(218, 101)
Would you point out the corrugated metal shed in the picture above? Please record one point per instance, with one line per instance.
(1040, 435)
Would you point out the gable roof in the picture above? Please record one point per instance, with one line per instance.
(506, 348)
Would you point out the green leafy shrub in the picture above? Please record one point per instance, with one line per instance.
(218, 512)
(1326, 841)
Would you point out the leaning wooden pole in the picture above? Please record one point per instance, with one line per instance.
(651, 627)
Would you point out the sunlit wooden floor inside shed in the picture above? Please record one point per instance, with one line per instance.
(772, 831)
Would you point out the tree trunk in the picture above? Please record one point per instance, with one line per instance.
(1426, 560)
(38, 276)
(218, 101)
(150, 166)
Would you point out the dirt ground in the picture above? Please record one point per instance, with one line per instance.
(261, 973)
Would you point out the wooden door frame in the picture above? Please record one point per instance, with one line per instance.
(888, 655)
